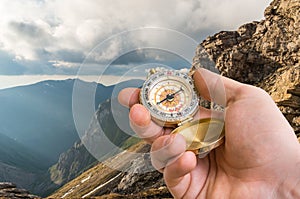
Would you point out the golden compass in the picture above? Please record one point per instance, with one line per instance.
(172, 100)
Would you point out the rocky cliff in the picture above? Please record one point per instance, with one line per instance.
(78, 158)
(10, 191)
(127, 179)
(265, 54)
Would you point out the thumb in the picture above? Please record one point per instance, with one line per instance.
(215, 87)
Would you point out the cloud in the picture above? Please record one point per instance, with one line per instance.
(60, 33)
(26, 40)
(9, 66)
(63, 64)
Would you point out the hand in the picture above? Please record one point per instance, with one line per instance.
(259, 159)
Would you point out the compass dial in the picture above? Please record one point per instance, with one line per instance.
(170, 97)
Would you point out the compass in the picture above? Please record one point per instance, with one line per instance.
(172, 100)
(170, 97)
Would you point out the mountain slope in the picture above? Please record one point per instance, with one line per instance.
(40, 115)
(123, 179)
(13, 153)
(19, 164)
(37, 126)
(77, 158)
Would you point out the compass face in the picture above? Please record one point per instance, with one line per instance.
(170, 97)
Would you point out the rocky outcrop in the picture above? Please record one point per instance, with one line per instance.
(141, 176)
(10, 191)
(265, 54)
(71, 163)
(125, 175)
(78, 158)
(10, 173)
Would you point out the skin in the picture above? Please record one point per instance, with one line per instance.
(259, 158)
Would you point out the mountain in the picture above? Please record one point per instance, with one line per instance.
(82, 156)
(109, 124)
(265, 54)
(19, 164)
(40, 115)
(14, 153)
(37, 126)
(78, 158)
(38, 123)
(125, 175)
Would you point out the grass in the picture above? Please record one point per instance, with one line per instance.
(99, 174)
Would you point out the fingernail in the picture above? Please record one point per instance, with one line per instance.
(139, 116)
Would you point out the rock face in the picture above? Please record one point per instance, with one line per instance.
(10, 191)
(13, 174)
(78, 158)
(265, 54)
(125, 175)
(70, 164)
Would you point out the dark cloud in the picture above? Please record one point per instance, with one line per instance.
(149, 55)
(73, 56)
(47, 37)
(30, 32)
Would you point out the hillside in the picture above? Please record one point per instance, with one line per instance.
(36, 127)
(14, 153)
(127, 179)
(265, 54)
(84, 153)
(79, 158)
(40, 115)
(19, 164)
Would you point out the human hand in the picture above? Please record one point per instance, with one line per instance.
(260, 156)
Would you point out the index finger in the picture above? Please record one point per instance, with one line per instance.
(140, 119)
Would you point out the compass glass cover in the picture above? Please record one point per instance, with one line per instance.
(170, 96)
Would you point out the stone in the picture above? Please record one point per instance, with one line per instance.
(265, 54)
(9, 190)
(6, 185)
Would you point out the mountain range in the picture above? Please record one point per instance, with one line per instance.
(91, 149)
(37, 128)
(40, 115)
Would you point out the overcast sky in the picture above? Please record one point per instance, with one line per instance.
(49, 37)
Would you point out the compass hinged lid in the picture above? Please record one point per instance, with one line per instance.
(202, 135)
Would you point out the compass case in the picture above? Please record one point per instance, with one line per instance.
(202, 135)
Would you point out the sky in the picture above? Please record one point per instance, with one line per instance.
(61, 37)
